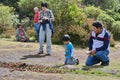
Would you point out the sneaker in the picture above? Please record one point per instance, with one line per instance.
(77, 61)
(105, 63)
(41, 52)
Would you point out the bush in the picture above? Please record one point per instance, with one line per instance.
(8, 33)
(76, 15)
(26, 7)
(114, 15)
(5, 36)
(57, 37)
(116, 30)
(106, 20)
(93, 12)
(5, 17)
(78, 35)
(112, 42)
(31, 32)
(66, 12)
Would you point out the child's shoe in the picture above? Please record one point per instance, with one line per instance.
(77, 61)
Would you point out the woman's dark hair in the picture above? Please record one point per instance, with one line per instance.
(44, 4)
(97, 24)
(19, 25)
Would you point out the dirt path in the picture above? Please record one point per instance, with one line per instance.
(11, 51)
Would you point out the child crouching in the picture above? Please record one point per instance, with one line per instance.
(69, 51)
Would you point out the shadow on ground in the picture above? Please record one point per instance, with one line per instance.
(34, 56)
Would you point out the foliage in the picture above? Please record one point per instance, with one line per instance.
(113, 14)
(65, 12)
(78, 35)
(106, 19)
(57, 37)
(71, 16)
(8, 33)
(15, 20)
(27, 6)
(5, 17)
(93, 12)
(30, 32)
(116, 5)
(112, 42)
(116, 30)
(104, 4)
(11, 3)
(77, 15)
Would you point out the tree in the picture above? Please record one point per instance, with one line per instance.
(11, 3)
(65, 11)
(5, 17)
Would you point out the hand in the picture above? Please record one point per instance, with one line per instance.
(40, 21)
(92, 52)
(45, 18)
(71, 57)
(65, 54)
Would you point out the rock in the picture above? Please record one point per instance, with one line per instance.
(113, 72)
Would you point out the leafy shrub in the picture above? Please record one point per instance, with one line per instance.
(114, 15)
(31, 32)
(5, 17)
(66, 12)
(57, 37)
(93, 12)
(26, 7)
(78, 35)
(107, 20)
(116, 30)
(112, 42)
(5, 36)
(8, 33)
(76, 15)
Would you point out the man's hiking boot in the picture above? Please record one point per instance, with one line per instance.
(105, 63)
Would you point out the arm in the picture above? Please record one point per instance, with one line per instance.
(17, 33)
(90, 42)
(71, 50)
(51, 16)
(72, 53)
(36, 17)
(40, 16)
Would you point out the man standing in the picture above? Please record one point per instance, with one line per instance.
(46, 28)
(36, 23)
(99, 46)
